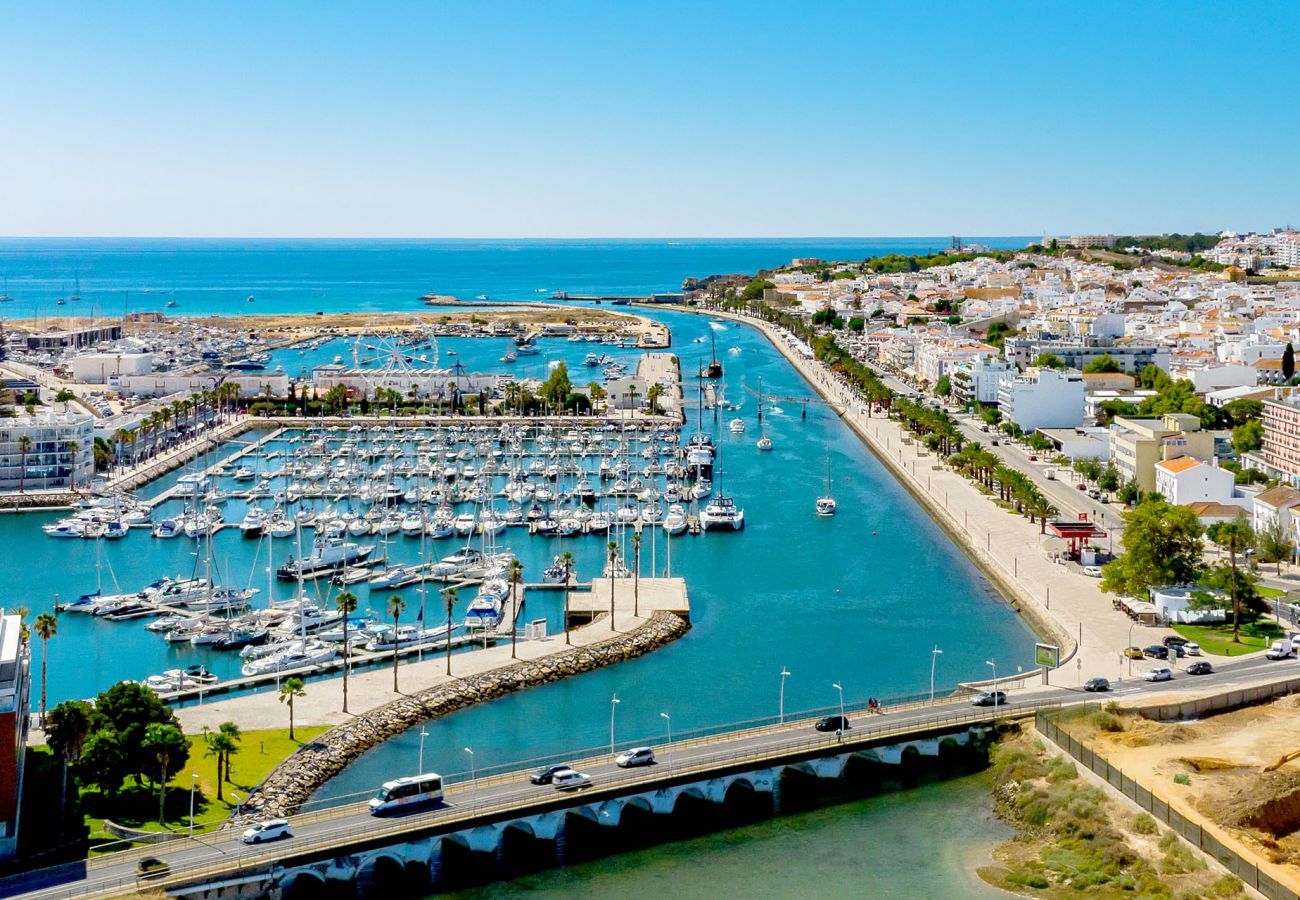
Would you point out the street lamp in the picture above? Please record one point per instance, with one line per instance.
(837, 687)
(473, 779)
(423, 734)
(785, 673)
(194, 782)
(1130, 644)
(994, 664)
(934, 659)
(668, 723)
(613, 705)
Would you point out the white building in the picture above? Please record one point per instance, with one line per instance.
(1213, 378)
(1174, 605)
(61, 451)
(161, 384)
(977, 380)
(1043, 398)
(1187, 480)
(426, 383)
(98, 368)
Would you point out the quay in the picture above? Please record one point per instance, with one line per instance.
(257, 704)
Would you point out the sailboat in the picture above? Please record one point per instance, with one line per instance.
(826, 504)
(714, 368)
(764, 442)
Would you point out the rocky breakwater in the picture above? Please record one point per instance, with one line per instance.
(291, 783)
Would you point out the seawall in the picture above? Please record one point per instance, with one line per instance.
(293, 782)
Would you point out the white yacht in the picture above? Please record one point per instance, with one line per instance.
(722, 514)
(675, 520)
(765, 443)
(737, 426)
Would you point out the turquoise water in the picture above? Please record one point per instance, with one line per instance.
(922, 842)
(303, 276)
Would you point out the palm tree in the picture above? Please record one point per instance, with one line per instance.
(652, 396)
(636, 574)
(566, 559)
(66, 733)
(72, 447)
(396, 606)
(47, 626)
(612, 550)
(291, 690)
(220, 745)
(346, 603)
(161, 739)
(516, 573)
(24, 446)
(449, 597)
(1235, 537)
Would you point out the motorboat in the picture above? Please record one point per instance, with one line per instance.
(298, 656)
(675, 519)
(405, 636)
(556, 573)
(327, 553)
(461, 562)
(395, 577)
(168, 528)
(253, 523)
(764, 443)
(736, 426)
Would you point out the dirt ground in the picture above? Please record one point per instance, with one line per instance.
(1226, 762)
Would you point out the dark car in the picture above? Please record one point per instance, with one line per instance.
(1155, 651)
(1174, 640)
(833, 723)
(990, 698)
(1094, 685)
(152, 867)
(545, 776)
(1200, 668)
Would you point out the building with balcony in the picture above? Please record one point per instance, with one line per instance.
(59, 451)
(1281, 450)
(1131, 356)
(15, 689)
(1185, 479)
(1043, 398)
(977, 380)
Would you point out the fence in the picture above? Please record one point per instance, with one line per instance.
(1192, 832)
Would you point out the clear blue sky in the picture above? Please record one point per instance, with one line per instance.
(646, 119)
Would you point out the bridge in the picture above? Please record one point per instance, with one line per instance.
(345, 848)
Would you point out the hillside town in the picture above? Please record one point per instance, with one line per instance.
(1168, 379)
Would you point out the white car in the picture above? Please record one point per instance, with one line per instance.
(1161, 674)
(270, 830)
(568, 780)
(637, 756)
(1192, 649)
(1092, 571)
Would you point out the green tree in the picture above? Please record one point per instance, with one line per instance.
(292, 689)
(126, 710)
(66, 730)
(1288, 362)
(1049, 361)
(1108, 480)
(449, 598)
(103, 761)
(943, 387)
(1162, 545)
(1102, 364)
(24, 447)
(557, 387)
(1236, 537)
(169, 750)
(1242, 410)
(46, 627)
(346, 603)
(754, 290)
(396, 606)
(1272, 545)
(1248, 436)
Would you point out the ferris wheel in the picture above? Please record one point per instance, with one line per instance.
(394, 349)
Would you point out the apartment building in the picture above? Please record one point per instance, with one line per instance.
(1043, 398)
(1138, 444)
(1078, 352)
(1281, 450)
(977, 380)
(59, 452)
(15, 689)
(1185, 480)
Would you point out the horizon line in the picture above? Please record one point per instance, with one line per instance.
(652, 237)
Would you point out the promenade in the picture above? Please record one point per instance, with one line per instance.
(1063, 606)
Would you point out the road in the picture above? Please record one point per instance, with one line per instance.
(511, 791)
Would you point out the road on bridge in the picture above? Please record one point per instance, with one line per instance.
(222, 853)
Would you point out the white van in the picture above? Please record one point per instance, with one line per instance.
(1280, 650)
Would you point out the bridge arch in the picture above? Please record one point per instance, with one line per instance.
(385, 874)
(301, 884)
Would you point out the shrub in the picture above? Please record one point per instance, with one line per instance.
(1029, 879)
(1144, 824)
(1061, 769)
(1181, 778)
(1103, 721)
(1226, 886)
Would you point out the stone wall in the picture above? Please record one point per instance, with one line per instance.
(293, 782)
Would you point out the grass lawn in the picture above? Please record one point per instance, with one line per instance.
(1269, 593)
(1217, 639)
(137, 806)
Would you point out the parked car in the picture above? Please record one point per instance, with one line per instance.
(1094, 494)
(1192, 649)
(1156, 651)
(1173, 640)
(989, 698)
(637, 756)
(1033, 458)
(1092, 571)
(270, 830)
(1133, 652)
(545, 776)
(1200, 668)
(568, 780)
(1160, 674)
(994, 442)
(1096, 685)
(833, 723)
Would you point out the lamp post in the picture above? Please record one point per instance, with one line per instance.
(785, 673)
(668, 723)
(613, 705)
(934, 659)
(423, 734)
(194, 782)
(1130, 644)
(473, 779)
(994, 664)
(837, 687)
